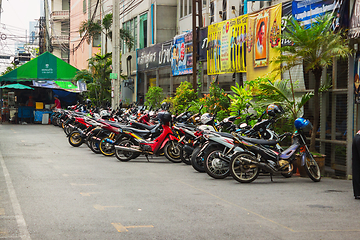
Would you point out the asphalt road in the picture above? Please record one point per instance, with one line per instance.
(50, 190)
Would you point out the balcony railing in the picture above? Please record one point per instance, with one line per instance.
(59, 15)
(60, 39)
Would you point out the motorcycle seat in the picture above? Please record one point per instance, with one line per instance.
(260, 141)
(136, 131)
(185, 125)
(141, 125)
(225, 134)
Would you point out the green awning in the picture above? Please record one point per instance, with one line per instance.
(44, 67)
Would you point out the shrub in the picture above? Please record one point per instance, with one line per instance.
(154, 97)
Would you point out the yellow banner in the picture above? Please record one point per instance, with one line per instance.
(262, 39)
(227, 46)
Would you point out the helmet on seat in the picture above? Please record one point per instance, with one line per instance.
(206, 118)
(164, 106)
(303, 124)
(273, 109)
(104, 114)
(164, 117)
(88, 102)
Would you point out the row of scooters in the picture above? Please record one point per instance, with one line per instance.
(219, 149)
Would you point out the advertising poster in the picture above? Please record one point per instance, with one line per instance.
(181, 54)
(307, 11)
(262, 39)
(226, 46)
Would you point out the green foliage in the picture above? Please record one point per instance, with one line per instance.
(184, 96)
(216, 101)
(154, 97)
(90, 29)
(240, 98)
(9, 69)
(98, 78)
(315, 47)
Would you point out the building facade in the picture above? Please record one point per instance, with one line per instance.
(60, 28)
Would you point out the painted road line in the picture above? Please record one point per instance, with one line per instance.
(88, 194)
(24, 233)
(120, 228)
(101, 208)
(84, 184)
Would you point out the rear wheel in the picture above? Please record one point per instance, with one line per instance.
(125, 156)
(185, 157)
(197, 161)
(172, 151)
(75, 139)
(312, 168)
(94, 146)
(241, 170)
(106, 148)
(214, 166)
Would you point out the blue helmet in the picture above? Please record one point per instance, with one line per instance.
(301, 123)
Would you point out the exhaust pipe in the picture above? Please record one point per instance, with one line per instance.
(127, 149)
(188, 149)
(261, 165)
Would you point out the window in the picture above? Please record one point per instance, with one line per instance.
(211, 12)
(190, 7)
(64, 53)
(181, 8)
(132, 27)
(84, 6)
(224, 10)
(65, 28)
(143, 31)
(204, 3)
(65, 5)
(185, 7)
(96, 40)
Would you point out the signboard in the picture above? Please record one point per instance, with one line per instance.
(262, 40)
(305, 11)
(227, 46)
(181, 54)
(203, 44)
(154, 57)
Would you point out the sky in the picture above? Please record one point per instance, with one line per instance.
(14, 24)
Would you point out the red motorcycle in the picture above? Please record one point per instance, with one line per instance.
(166, 143)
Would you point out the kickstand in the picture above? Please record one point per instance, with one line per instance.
(147, 157)
(271, 176)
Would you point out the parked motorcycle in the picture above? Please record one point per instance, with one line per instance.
(245, 166)
(166, 143)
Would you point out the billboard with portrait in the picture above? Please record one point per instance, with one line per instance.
(226, 46)
(262, 39)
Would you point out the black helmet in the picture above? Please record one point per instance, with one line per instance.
(88, 102)
(164, 117)
(164, 106)
(273, 109)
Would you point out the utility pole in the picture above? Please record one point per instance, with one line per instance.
(47, 33)
(115, 82)
(0, 9)
(197, 12)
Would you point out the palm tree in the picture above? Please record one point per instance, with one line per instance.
(93, 29)
(315, 47)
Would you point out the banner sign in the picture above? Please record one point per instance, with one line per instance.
(305, 11)
(203, 44)
(153, 57)
(181, 54)
(262, 40)
(356, 79)
(227, 46)
(354, 29)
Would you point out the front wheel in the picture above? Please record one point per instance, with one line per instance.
(312, 168)
(75, 139)
(214, 166)
(172, 151)
(241, 168)
(106, 148)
